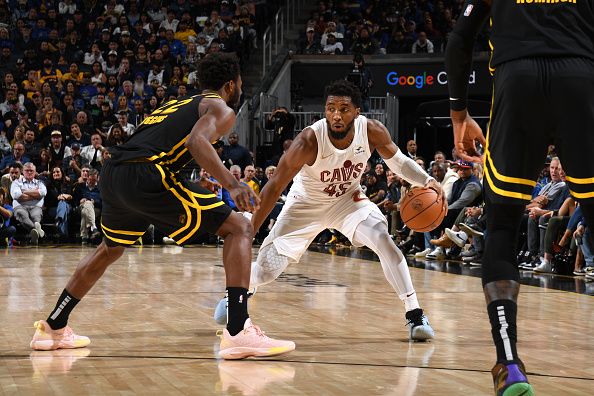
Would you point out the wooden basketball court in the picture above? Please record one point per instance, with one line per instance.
(150, 323)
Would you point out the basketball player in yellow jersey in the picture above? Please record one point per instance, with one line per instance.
(140, 185)
(543, 68)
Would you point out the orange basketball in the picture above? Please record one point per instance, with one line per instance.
(421, 211)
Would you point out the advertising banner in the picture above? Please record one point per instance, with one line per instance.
(427, 78)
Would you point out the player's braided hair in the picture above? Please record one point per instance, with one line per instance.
(216, 69)
(344, 88)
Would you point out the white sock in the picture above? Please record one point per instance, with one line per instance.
(410, 301)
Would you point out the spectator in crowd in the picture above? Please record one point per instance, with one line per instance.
(59, 200)
(283, 123)
(88, 197)
(72, 165)
(226, 197)
(32, 147)
(170, 23)
(398, 44)
(380, 172)
(28, 194)
(237, 153)
(77, 136)
(411, 149)
(375, 190)
(466, 192)
(330, 29)
(106, 116)
(14, 173)
(43, 162)
(92, 153)
(390, 205)
(58, 149)
(5, 146)
(445, 176)
(364, 43)
(310, 45)
(7, 230)
(116, 136)
(550, 198)
(249, 178)
(124, 124)
(332, 46)
(422, 45)
(18, 155)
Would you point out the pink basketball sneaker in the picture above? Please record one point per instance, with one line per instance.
(46, 339)
(251, 341)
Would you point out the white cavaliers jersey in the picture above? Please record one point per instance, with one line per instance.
(335, 172)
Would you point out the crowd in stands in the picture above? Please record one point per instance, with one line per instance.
(78, 77)
(382, 27)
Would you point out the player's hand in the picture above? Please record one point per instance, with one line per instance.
(210, 185)
(245, 198)
(434, 185)
(466, 134)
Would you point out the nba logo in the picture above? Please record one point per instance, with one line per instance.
(241, 299)
(468, 10)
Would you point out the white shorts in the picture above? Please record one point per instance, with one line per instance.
(301, 220)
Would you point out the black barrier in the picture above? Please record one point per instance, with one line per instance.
(425, 78)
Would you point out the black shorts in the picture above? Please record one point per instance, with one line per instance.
(536, 102)
(138, 194)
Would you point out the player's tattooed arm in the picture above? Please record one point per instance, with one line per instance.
(303, 150)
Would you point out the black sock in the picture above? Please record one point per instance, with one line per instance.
(58, 318)
(237, 312)
(502, 314)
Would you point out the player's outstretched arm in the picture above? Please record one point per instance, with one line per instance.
(458, 65)
(400, 164)
(303, 150)
(216, 121)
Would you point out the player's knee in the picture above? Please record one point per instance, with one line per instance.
(245, 228)
(110, 252)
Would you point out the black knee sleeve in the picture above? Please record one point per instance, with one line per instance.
(501, 238)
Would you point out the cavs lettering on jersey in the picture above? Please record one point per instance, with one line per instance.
(540, 28)
(335, 172)
(161, 136)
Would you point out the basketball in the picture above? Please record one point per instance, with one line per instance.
(421, 211)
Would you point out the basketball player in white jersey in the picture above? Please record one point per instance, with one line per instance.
(326, 161)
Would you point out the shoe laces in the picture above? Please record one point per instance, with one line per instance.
(416, 320)
(257, 330)
(68, 333)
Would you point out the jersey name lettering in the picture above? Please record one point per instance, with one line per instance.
(341, 174)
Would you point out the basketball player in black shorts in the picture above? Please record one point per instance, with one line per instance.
(543, 66)
(141, 185)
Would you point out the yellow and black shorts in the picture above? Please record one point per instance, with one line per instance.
(137, 194)
(536, 102)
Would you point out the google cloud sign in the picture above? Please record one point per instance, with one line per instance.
(421, 81)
